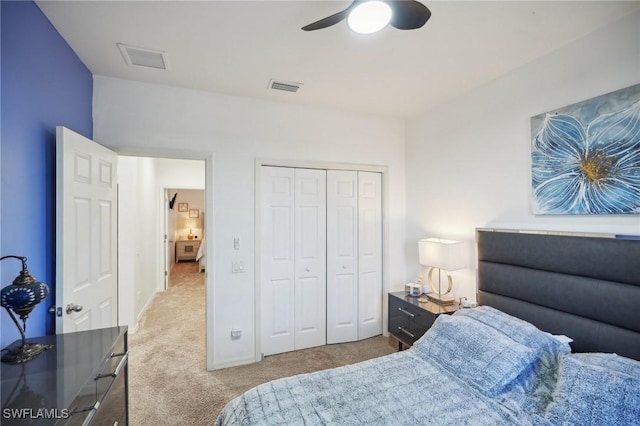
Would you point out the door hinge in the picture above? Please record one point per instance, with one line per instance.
(55, 311)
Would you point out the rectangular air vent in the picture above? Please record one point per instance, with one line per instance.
(142, 57)
(287, 86)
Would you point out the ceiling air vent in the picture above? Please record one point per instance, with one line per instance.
(142, 57)
(287, 86)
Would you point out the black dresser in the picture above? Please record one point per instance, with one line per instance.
(81, 380)
(409, 319)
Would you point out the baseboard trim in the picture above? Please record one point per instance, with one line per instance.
(145, 308)
(233, 363)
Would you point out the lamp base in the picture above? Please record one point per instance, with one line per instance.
(441, 299)
(24, 353)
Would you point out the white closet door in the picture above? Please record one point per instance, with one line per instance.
(370, 254)
(342, 256)
(310, 258)
(277, 260)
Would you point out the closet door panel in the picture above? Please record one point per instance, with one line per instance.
(342, 256)
(277, 260)
(310, 258)
(370, 254)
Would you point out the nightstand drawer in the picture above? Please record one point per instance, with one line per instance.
(408, 322)
(187, 249)
(410, 319)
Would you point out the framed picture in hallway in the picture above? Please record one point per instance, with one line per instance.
(183, 207)
(194, 213)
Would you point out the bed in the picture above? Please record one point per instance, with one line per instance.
(201, 257)
(504, 362)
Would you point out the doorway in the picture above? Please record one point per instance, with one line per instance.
(184, 230)
(143, 212)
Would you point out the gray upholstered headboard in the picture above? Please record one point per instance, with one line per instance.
(585, 287)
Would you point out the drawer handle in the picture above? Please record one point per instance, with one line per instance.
(407, 332)
(407, 313)
(93, 410)
(121, 364)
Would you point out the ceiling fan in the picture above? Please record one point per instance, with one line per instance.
(400, 14)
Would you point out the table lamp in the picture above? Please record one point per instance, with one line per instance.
(443, 255)
(21, 297)
(189, 224)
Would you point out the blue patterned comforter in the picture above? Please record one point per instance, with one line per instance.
(478, 367)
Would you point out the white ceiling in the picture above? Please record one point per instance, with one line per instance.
(236, 47)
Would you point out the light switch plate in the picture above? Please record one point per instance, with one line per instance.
(237, 267)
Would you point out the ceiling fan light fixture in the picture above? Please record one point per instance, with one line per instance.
(369, 17)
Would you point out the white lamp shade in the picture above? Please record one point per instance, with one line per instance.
(447, 255)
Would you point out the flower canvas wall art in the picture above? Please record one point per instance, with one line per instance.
(585, 158)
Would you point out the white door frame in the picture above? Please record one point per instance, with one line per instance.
(259, 162)
(209, 159)
(164, 237)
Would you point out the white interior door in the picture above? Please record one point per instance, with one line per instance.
(342, 256)
(277, 260)
(86, 234)
(310, 258)
(369, 254)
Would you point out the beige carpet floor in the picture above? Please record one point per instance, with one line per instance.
(168, 380)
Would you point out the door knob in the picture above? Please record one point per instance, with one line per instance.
(73, 308)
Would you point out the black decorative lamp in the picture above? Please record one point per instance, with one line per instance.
(21, 297)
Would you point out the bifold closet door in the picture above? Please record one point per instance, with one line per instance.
(354, 255)
(310, 258)
(369, 254)
(293, 259)
(342, 256)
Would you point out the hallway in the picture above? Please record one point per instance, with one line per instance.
(168, 382)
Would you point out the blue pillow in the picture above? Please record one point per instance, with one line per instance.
(518, 330)
(475, 353)
(588, 394)
(532, 389)
(613, 362)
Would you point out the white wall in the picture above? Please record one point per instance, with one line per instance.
(137, 117)
(468, 162)
(137, 237)
(178, 173)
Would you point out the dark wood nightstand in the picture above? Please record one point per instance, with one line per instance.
(410, 319)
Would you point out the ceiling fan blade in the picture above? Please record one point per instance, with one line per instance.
(331, 20)
(326, 22)
(408, 14)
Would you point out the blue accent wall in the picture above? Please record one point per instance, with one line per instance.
(43, 85)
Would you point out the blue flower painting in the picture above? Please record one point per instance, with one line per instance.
(586, 157)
